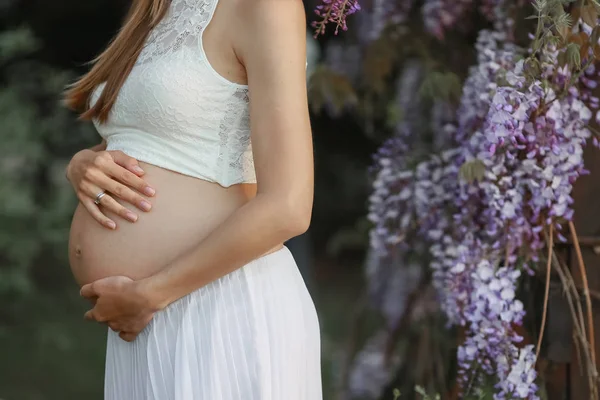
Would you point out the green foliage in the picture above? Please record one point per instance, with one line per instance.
(38, 135)
(485, 393)
(573, 57)
(16, 42)
(444, 86)
(328, 87)
(424, 394)
(52, 353)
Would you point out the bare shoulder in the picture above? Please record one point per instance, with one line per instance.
(270, 11)
(270, 21)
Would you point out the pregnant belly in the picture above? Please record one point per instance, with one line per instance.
(184, 211)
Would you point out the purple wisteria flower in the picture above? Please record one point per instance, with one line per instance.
(375, 371)
(440, 15)
(476, 198)
(334, 11)
(528, 140)
(490, 310)
(384, 12)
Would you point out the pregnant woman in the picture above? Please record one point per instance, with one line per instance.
(204, 170)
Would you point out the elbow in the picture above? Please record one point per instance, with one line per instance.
(295, 219)
(301, 224)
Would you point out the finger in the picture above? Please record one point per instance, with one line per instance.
(88, 291)
(127, 336)
(112, 205)
(108, 202)
(94, 315)
(121, 191)
(126, 177)
(114, 326)
(127, 162)
(95, 212)
(89, 315)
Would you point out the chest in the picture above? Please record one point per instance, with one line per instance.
(175, 93)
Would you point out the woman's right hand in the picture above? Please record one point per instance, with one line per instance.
(92, 172)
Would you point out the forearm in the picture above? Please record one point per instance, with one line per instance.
(247, 234)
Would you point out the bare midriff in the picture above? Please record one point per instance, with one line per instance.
(184, 211)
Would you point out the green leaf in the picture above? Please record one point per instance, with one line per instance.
(562, 58)
(595, 35)
(573, 55)
(563, 25)
(441, 85)
(540, 5)
(420, 390)
(472, 171)
(589, 15)
(555, 8)
(596, 50)
(394, 115)
(533, 67)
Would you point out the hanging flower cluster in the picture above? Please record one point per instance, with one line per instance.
(439, 16)
(481, 207)
(526, 139)
(334, 11)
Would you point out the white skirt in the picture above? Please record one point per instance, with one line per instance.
(251, 335)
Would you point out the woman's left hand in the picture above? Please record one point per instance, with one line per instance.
(121, 303)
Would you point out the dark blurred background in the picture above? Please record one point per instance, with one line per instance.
(47, 351)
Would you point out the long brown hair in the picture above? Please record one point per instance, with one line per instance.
(115, 63)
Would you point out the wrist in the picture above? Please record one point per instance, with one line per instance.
(153, 292)
(74, 159)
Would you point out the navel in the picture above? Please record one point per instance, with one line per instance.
(78, 251)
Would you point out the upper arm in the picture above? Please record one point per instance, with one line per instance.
(272, 47)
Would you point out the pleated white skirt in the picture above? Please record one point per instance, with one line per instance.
(251, 335)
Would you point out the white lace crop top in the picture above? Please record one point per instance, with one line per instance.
(175, 111)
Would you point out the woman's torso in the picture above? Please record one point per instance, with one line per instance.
(189, 127)
(185, 210)
(175, 110)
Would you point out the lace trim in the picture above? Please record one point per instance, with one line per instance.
(202, 126)
(182, 26)
(235, 148)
